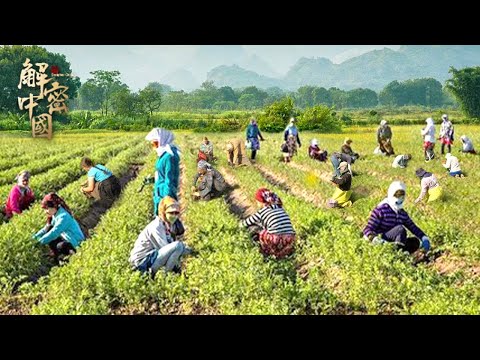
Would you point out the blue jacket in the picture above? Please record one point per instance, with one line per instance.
(168, 175)
(64, 226)
(253, 131)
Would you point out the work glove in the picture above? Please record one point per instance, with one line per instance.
(426, 243)
(148, 180)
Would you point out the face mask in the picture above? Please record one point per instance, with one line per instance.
(399, 200)
(171, 218)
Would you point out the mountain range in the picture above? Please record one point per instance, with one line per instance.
(373, 69)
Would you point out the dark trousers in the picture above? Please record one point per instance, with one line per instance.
(449, 148)
(398, 235)
(254, 153)
(60, 247)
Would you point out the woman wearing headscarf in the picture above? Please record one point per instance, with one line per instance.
(160, 243)
(292, 130)
(401, 161)
(62, 232)
(384, 138)
(206, 151)
(20, 197)
(347, 149)
(342, 194)
(446, 133)
(431, 189)
(467, 145)
(314, 151)
(208, 183)
(289, 148)
(338, 158)
(167, 167)
(389, 222)
(271, 225)
(453, 166)
(236, 153)
(429, 140)
(253, 136)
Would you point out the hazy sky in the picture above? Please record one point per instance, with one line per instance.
(140, 64)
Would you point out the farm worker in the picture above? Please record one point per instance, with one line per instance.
(446, 133)
(206, 151)
(20, 197)
(315, 152)
(62, 232)
(341, 196)
(453, 165)
(429, 140)
(336, 159)
(431, 188)
(253, 136)
(101, 183)
(167, 166)
(271, 225)
(160, 243)
(289, 148)
(401, 161)
(347, 149)
(467, 145)
(236, 153)
(388, 222)
(208, 182)
(291, 129)
(384, 138)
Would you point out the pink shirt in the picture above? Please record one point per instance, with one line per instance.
(16, 202)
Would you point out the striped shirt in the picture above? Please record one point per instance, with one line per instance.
(383, 218)
(273, 218)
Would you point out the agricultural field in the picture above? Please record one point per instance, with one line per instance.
(333, 271)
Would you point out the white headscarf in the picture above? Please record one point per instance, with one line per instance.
(448, 155)
(391, 200)
(383, 122)
(22, 175)
(165, 140)
(314, 142)
(463, 137)
(445, 117)
(429, 121)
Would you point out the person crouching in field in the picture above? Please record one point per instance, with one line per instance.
(314, 151)
(20, 197)
(62, 232)
(206, 151)
(467, 145)
(453, 165)
(101, 183)
(347, 149)
(341, 196)
(429, 140)
(389, 222)
(160, 243)
(236, 153)
(401, 161)
(271, 225)
(208, 183)
(431, 188)
(336, 159)
(289, 148)
(384, 138)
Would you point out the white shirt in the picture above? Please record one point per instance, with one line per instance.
(429, 133)
(452, 164)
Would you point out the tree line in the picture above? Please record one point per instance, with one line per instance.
(104, 91)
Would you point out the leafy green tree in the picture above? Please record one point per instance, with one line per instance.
(319, 118)
(259, 95)
(304, 96)
(163, 88)
(90, 96)
(126, 103)
(361, 98)
(426, 92)
(12, 59)
(277, 115)
(322, 96)
(248, 102)
(465, 87)
(151, 99)
(109, 83)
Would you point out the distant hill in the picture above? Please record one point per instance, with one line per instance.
(181, 79)
(373, 70)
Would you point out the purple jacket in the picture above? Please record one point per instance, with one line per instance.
(383, 219)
